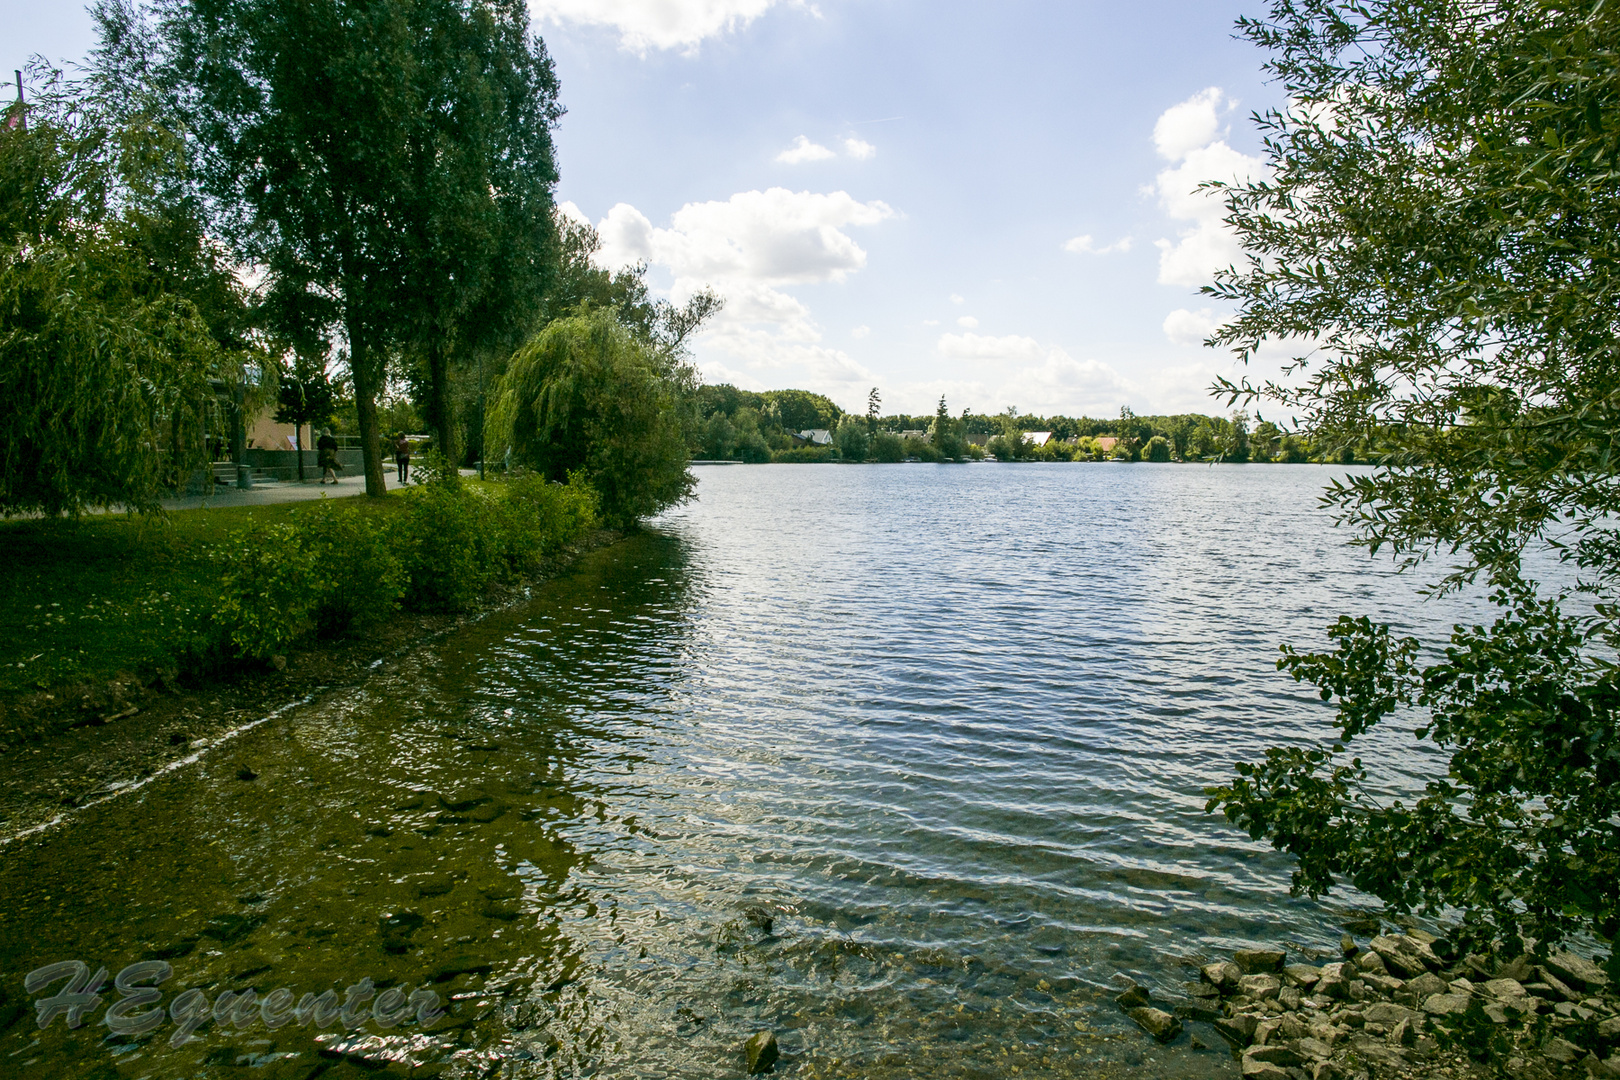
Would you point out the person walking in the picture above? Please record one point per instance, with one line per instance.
(326, 455)
(402, 458)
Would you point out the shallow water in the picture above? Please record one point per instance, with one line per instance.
(945, 728)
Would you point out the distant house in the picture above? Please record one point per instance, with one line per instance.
(1106, 443)
(813, 437)
(1038, 438)
(977, 440)
(914, 434)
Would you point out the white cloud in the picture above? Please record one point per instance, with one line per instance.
(748, 248)
(860, 332)
(627, 237)
(804, 150)
(657, 24)
(859, 149)
(1190, 133)
(968, 321)
(1190, 125)
(1083, 245)
(771, 237)
(930, 322)
(1185, 327)
(955, 299)
(1037, 378)
(573, 213)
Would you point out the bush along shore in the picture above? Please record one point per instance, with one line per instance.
(1404, 1006)
(283, 608)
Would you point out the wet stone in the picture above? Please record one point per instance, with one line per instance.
(1237, 1030)
(1156, 1022)
(1576, 970)
(1446, 1005)
(463, 800)
(1303, 976)
(396, 929)
(1425, 985)
(761, 1052)
(461, 965)
(436, 885)
(1223, 975)
(1255, 961)
(1259, 987)
(1133, 998)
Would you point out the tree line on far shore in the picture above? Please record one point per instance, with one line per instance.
(758, 427)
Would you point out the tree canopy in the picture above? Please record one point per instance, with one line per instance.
(1441, 224)
(589, 398)
(106, 357)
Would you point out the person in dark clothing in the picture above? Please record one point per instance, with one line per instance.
(326, 455)
(402, 458)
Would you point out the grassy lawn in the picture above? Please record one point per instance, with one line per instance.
(114, 593)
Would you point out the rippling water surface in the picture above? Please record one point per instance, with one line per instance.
(904, 763)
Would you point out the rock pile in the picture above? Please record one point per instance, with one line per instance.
(1390, 1010)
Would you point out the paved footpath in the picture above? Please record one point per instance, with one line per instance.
(265, 492)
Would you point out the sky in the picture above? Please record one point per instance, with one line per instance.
(994, 202)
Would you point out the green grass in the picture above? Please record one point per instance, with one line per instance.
(107, 594)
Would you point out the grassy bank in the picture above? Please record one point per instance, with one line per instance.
(132, 601)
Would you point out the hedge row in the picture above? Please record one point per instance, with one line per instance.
(338, 567)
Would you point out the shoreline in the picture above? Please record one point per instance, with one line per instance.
(95, 743)
(1406, 1004)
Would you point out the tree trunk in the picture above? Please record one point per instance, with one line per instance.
(244, 475)
(298, 448)
(366, 381)
(439, 411)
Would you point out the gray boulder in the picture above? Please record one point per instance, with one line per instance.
(1576, 970)
(1223, 975)
(1444, 1005)
(1404, 956)
(1257, 961)
(1259, 987)
(1134, 998)
(1425, 985)
(1303, 976)
(761, 1051)
(1279, 1054)
(1237, 1030)
(1156, 1022)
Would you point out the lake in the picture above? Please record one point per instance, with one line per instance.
(905, 763)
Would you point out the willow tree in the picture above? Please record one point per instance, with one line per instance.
(105, 369)
(1441, 220)
(589, 398)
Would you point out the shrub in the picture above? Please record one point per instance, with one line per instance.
(802, 455)
(269, 590)
(359, 576)
(452, 546)
(852, 441)
(753, 448)
(887, 447)
(1157, 449)
(922, 450)
(540, 517)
